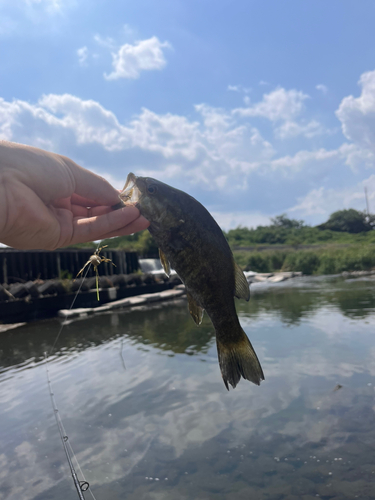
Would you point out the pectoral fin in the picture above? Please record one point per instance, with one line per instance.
(242, 290)
(165, 263)
(195, 310)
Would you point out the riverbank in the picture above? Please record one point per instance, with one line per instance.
(30, 301)
(131, 302)
(24, 302)
(330, 259)
(40, 300)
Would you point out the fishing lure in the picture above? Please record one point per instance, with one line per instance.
(96, 259)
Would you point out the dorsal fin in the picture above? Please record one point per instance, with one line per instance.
(165, 262)
(242, 290)
(194, 309)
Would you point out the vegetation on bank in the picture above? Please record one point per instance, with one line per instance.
(346, 242)
(327, 260)
(142, 243)
(345, 226)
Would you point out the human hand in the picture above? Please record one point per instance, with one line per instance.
(47, 201)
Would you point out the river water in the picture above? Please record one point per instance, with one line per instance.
(149, 418)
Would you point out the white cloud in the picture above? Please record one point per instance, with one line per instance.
(218, 150)
(52, 6)
(106, 42)
(280, 104)
(239, 88)
(324, 201)
(282, 107)
(306, 160)
(129, 31)
(231, 220)
(33, 16)
(82, 54)
(357, 115)
(212, 147)
(88, 120)
(357, 157)
(145, 55)
(234, 88)
(322, 88)
(292, 129)
(323, 159)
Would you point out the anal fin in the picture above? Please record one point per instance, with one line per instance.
(165, 262)
(242, 290)
(195, 310)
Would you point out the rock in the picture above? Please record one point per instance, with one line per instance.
(18, 290)
(174, 280)
(32, 289)
(48, 288)
(260, 278)
(119, 280)
(4, 294)
(60, 288)
(91, 282)
(104, 282)
(277, 279)
(148, 279)
(80, 284)
(133, 279)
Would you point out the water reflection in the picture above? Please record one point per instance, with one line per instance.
(143, 403)
(299, 298)
(157, 327)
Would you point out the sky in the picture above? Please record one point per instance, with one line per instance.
(255, 108)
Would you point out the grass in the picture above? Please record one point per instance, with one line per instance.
(326, 260)
(328, 252)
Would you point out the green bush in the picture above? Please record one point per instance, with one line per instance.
(328, 264)
(328, 260)
(308, 262)
(258, 262)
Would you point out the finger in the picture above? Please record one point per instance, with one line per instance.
(137, 225)
(93, 228)
(92, 186)
(76, 199)
(89, 212)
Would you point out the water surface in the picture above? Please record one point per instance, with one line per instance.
(149, 418)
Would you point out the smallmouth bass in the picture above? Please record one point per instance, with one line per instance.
(192, 243)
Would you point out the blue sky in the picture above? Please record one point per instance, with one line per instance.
(255, 108)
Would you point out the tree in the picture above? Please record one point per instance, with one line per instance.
(349, 221)
(283, 221)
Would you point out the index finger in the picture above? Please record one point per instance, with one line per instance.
(76, 199)
(91, 186)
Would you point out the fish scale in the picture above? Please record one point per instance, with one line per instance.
(192, 243)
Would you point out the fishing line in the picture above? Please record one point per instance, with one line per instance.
(71, 305)
(81, 486)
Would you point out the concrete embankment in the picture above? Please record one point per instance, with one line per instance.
(141, 300)
(253, 277)
(42, 299)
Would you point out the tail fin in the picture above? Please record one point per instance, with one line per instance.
(238, 359)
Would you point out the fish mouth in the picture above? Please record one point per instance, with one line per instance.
(131, 193)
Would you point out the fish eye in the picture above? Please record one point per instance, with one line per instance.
(151, 189)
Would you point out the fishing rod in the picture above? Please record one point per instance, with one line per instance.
(80, 486)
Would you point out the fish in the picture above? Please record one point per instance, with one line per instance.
(192, 243)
